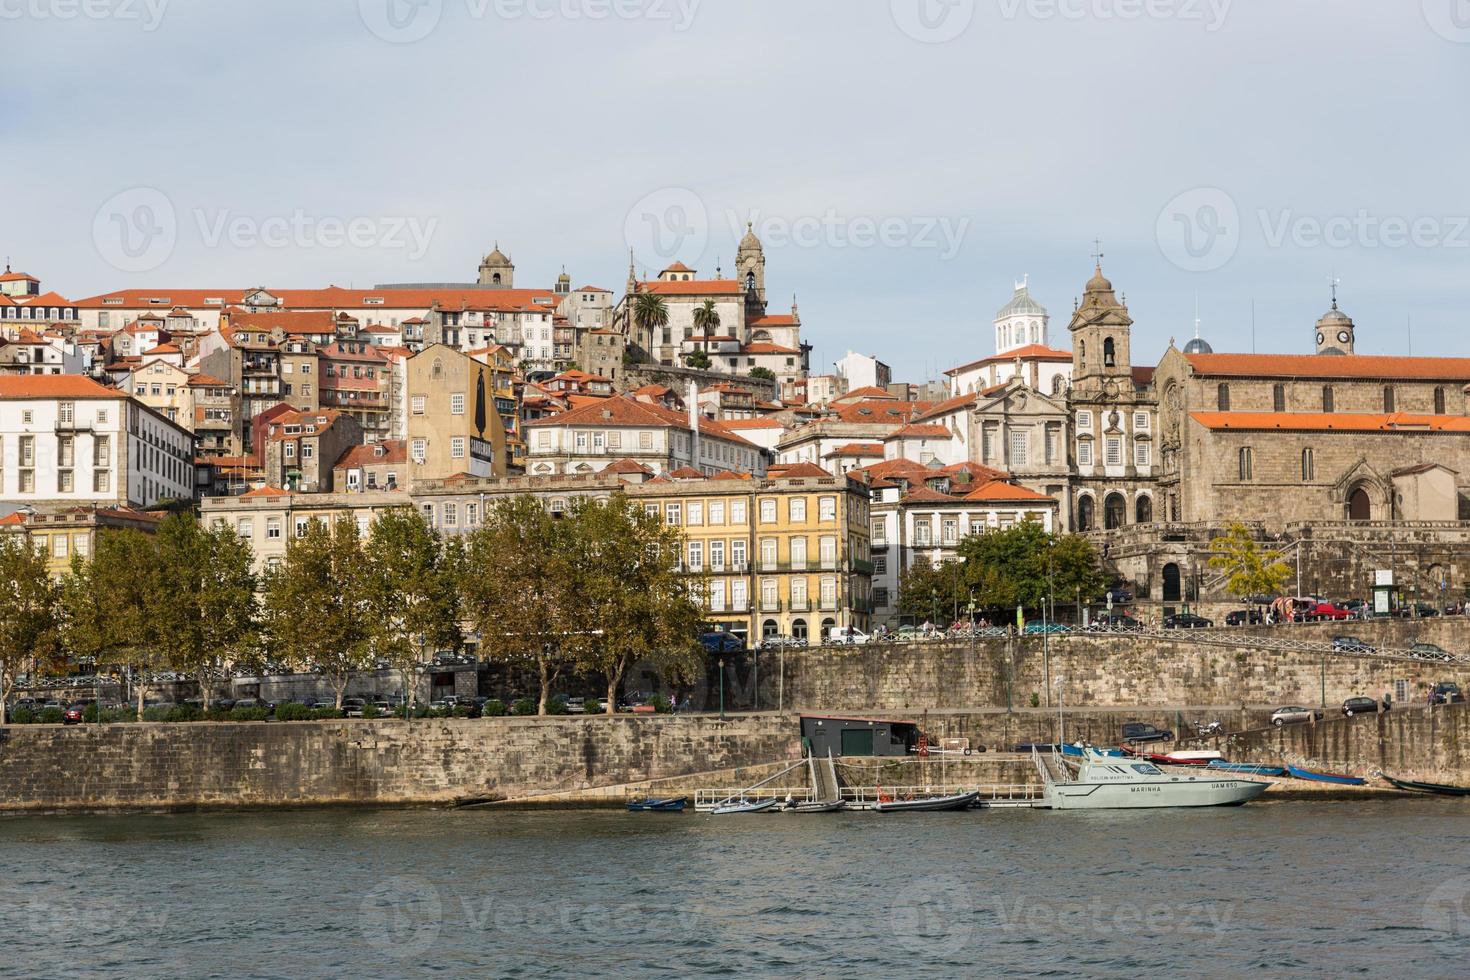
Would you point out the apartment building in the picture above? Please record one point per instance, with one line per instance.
(453, 426)
(60, 533)
(302, 448)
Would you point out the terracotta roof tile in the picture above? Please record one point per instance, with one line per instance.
(792, 470)
(1009, 492)
(1325, 366)
(1330, 422)
(54, 386)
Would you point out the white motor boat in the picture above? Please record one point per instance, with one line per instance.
(1104, 782)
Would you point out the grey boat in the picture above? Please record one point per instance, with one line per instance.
(1104, 782)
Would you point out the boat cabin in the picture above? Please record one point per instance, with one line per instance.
(843, 735)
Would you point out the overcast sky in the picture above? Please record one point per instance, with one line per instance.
(906, 160)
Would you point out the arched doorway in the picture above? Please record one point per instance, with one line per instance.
(798, 629)
(1360, 505)
(1085, 515)
(1115, 511)
(1144, 510)
(828, 625)
(769, 629)
(1172, 590)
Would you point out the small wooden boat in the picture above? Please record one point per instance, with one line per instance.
(927, 804)
(817, 807)
(1439, 789)
(1326, 777)
(1247, 767)
(671, 805)
(744, 806)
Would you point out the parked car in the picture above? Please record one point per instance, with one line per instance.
(1137, 732)
(1430, 651)
(1293, 715)
(1360, 608)
(27, 704)
(1324, 612)
(907, 634)
(848, 636)
(1117, 622)
(1420, 610)
(249, 703)
(1038, 626)
(1187, 621)
(352, 707)
(1351, 644)
(782, 642)
(1446, 692)
(1245, 617)
(721, 643)
(576, 706)
(75, 712)
(1360, 706)
(1119, 594)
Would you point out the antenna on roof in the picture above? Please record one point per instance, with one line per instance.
(1335, 283)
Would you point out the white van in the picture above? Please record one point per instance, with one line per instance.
(848, 636)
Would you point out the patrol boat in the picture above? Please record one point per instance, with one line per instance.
(1105, 782)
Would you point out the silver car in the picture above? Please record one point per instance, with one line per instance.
(1294, 715)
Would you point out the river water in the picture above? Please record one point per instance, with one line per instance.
(1289, 888)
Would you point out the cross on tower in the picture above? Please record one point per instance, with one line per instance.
(1097, 252)
(1335, 282)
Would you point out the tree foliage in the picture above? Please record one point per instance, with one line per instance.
(28, 607)
(1249, 569)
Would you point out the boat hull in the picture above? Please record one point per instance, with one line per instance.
(1247, 768)
(762, 807)
(818, 807)
(658, 806)
(1326, 777)
(1438, 789)
(1153, 794)
(936, 804)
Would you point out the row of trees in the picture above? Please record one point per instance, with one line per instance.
(590, 591)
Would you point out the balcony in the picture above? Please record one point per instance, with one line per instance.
(801, 605)
(770, 605)
(861, 566)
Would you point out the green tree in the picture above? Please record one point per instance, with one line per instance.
(927, 592)
(763, 373)
(650, 314)
(698, 360)
(28, 612)
(706, 321)
(517, 590)
(316, 613)
(413, 592)
(115, 607)
(1023, 565)
(639, 608)
(1249, 569)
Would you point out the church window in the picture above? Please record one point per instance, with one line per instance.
(1278, 398)
(1110, 358)
(1141, 453)
(1247, 463)
(1388, 398)
(1084, 420)
(1084, 452)
(1222, 397)
(1082, 352)
(1439, 401)
(1309, 466)
(1020, 447)
(1114, 451)
(1327, 399)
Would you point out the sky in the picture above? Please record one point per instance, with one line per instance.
(905, 161)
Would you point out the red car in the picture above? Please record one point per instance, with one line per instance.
(1327, 611)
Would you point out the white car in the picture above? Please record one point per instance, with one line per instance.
(1294, 715)
(848, 636)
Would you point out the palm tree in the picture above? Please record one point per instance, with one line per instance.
(707, 321)
(650, 313)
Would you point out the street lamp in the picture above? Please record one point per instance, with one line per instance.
(722, 688)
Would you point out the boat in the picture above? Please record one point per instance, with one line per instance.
(1250, 768)
(927, 804)
(744, 806)
(1078, 749)
(817, 806)
(1105, 782)
(1439, 789)
(671, 805)
(1189, 758)
(1325, 777)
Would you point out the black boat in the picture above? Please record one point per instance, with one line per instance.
(1439, 789)
(673, 805)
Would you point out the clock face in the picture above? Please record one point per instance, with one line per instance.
(1320, 340)
(1342, 337)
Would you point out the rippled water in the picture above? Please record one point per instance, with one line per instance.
(1287, 888)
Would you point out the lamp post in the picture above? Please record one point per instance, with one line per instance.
(722, 688)
(1061, 733)
(934, 607)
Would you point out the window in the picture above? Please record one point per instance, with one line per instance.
(1278, 398)
(1140, 421)
(768, 511)
(737, 555)
(696, 512)
(65, 411)
(1247, 463)
(923, 529)
(290, 450)
(880, 565)
(673, 514)
(428, 510)
(302, 523)
(58, 545)
(798, 554)
(798, 510)
(880, 531)
(827, 509)
(64, 481)
(27, 481)
(420, 450)
(717, 556)
(645, 440)
(696, 556)
(1388, 398)
(1309, 466)
(798, 594)
(456, 404)
(1439, 401)
(1114, 451)
(82, 545)
(768, 554)
(245, 528)
(27, 417)
(64, 451)
(1141, 453)
(1084, 452)
(101, 481)
(272, 528)
(418, 404)
(28, 450)
(1020, 444)
(1222, 397)
(769, 599)
(717, 595)
(951, 534)
(737, 595)
(1084, 420)
(308, 451)
(451, 514)
(471, 515)
(456, 447)
(717, 512)
(829, 593)
(737, 512)
(101, 416)
(1327, 399)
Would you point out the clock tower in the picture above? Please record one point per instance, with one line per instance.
(1335, 331)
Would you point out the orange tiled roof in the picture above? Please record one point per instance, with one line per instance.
(623, 411)
(768, 349)
(798, 470)
(628, 466)
(393, 451)
(999, 491)
(1320, 366)
(921, 432)
(330, 298)
(54, 386)
(266, 492)
(948, 406)
(694, 287)
(1331, 422)
(858, 449)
